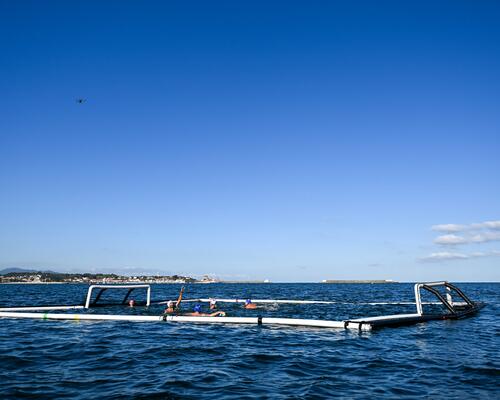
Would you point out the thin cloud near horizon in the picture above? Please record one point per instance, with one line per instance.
(452, 239)
(447, 256)
(464, 234)
(466, 227)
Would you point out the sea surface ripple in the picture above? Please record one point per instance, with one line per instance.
(95, 360)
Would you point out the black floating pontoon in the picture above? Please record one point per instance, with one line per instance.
(454, 310)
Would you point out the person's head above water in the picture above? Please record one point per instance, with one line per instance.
(197, 308)
(249, 304)
(131, 302)
(171, 307)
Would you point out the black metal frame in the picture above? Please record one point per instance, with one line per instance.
(102, 290)
(445, 302)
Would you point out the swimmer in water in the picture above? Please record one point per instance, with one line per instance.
(249, 305)
(197, 313)
(131, 303)
(173, 306)
(213, 304)
(170, 307)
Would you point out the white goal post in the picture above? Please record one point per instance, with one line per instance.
(107, 287)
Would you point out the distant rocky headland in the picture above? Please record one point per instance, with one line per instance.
(18, 275)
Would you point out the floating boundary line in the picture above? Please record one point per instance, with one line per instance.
(263, 301)
(285, 301)
(179, 318)
(41, 308)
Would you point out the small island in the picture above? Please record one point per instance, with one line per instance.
(358, 281)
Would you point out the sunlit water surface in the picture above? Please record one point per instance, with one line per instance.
(94, 360)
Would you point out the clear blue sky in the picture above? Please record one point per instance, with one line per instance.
(294, 141)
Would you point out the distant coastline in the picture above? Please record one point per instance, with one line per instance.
(20, 276)
(30, 277)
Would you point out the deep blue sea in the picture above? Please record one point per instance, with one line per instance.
(95, 360)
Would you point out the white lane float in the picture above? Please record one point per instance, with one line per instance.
(453, 310)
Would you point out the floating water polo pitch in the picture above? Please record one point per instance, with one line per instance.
(452, 302)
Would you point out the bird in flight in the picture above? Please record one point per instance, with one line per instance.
(81, 101)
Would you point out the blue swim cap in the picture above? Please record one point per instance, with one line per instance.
(248, 301)
(197, 308)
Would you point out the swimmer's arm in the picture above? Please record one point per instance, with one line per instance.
(218, 314)
(180, 297)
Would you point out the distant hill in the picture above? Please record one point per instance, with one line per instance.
(20, 270)
(9, 270)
